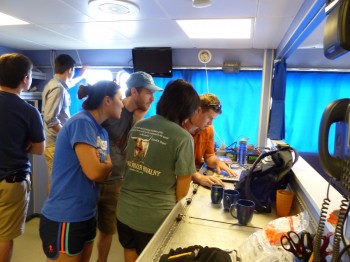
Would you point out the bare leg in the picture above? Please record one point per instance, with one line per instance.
(104, 242)
(6, 250)
(130, 255)
(84, 256)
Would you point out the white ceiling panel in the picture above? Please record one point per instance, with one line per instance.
(12, 41)
(269, 31)
(285, 10)
(86, 31)
(43, 11)
(182, 9)
(58, 24)
(168, 30)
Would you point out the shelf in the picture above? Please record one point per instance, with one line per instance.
(38, 75)
(30, 95)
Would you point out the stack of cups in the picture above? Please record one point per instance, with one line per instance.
(284, 201)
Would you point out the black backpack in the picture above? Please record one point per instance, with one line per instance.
(264, 178)
(196, 253)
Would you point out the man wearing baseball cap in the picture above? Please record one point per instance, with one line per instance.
(139, 97)
(142, 79)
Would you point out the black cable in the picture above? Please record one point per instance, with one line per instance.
(229, 146)
(346, 245)
(338, 232)
(346, 248)
(222, 222)
(343, 238)
(321, 225)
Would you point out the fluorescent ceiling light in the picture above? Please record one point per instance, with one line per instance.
(217, 28)
(10, 20)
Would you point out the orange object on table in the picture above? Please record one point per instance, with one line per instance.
(333, 217)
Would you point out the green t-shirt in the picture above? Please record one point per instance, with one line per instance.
(158, 151)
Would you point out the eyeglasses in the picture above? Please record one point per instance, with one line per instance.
(216, 107)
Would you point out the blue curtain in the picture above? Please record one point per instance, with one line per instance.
(307, 96)
(239, 94)
(76, 103)
(276, 122)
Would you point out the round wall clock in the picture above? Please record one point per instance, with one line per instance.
(204, 56)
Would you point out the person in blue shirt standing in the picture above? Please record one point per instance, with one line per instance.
(68, 220)
(21, 133)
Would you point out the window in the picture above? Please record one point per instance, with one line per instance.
(94, 75)
(121, 78)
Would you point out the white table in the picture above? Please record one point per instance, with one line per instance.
(196, 221)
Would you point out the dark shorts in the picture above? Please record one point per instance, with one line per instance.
(107, 206)
(132, 239)
(65, 237)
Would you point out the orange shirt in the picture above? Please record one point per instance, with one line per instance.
(203, 144)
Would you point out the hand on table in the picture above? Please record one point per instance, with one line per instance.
(206, 181)
(222, 166)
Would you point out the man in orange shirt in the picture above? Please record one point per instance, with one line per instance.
(201, 129)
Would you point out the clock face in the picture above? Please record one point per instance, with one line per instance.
(204, 56)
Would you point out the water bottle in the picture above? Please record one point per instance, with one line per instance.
(242, 150)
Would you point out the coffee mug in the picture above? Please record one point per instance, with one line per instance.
(217, 193)
(231, 196)
(243, 211)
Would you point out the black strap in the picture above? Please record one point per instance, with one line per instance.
(16, 177)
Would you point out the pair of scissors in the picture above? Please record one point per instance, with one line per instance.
(299, 246)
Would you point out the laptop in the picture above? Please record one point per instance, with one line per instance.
(239, 170)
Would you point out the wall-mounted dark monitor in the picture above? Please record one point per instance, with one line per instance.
(157, 61)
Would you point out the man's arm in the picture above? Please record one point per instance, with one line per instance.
(53, 105)
(57, 127)
(36, 148)
(206, 181)
(78, 78)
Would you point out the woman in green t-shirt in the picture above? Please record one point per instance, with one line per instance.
(160, 163)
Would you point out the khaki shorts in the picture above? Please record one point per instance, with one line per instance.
(49, 152)
(107, 206)
(13, 208)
